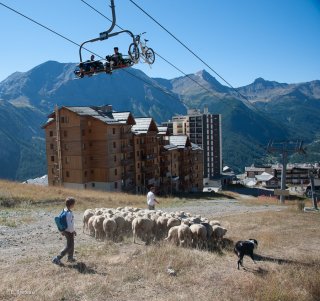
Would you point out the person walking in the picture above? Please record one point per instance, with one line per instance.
(151, 199)
(69, 233)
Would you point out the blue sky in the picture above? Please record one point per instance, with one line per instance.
(240, 39)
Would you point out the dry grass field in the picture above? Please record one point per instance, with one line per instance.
(287, 265)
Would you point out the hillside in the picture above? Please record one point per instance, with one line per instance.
(273, 110)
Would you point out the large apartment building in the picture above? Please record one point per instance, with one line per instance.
(97, 148)
(203, 129)
(89, 147)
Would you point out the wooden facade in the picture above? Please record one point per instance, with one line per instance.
(96, 148)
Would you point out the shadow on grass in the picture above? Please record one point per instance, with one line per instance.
(82, 268)
(279, 261)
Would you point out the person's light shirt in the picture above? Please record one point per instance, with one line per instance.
(151, 198)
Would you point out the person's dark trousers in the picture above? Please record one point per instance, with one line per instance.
(69, 248)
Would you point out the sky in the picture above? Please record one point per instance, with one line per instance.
(241, 40)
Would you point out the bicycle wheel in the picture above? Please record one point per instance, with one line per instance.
(150, 57)
(134, 52)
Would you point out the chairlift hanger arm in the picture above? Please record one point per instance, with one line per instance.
(107, 34)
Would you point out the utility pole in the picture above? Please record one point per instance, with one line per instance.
(313, 193)
(284, 148)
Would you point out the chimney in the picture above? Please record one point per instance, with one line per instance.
(106, 108)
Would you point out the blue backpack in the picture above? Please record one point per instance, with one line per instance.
(61, 220)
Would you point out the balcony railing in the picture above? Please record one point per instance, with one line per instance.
(148, 157)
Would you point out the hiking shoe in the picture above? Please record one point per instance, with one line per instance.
(71, 260)
(56, 260)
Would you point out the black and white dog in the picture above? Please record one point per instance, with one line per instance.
(245, 247)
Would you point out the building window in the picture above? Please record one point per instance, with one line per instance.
(115, 172)
(83, 132)
(115, 158)
(51, 133)
(93, 184)
(92, 171)
(51, 146)
(67, 160)
(113, 131)
(89, 123)
(91, 158)
(65, 134)
(115, 185)
(138, 165)
(66, 147)
(83, 146)
(90, 144)
(114, 144)
(138, 153)
(67, 174)
(90, 131)
(62, 119)
(52, 158)
(138, 177)
(85, 173)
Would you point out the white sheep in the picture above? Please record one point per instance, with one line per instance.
(86, 215)
(217, 234)
(173, 222)
(199, 235)
(184, 236)
(214, 223)
(109, 228)
(90, 225)
(142, 227)
(173, 235)
(98, 227)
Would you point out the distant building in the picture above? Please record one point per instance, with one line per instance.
(296, 174)
(203, 129)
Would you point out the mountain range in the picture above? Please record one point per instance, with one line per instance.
(251, 115)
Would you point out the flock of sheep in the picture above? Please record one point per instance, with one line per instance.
(179, 228)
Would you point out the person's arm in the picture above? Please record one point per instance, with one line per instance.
(154, 197)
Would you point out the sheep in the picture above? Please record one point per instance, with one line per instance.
(217, 234)
(161, 226)
(86, 215)
(215, 223)
(184, 235)
(121, 224)
(142, 227)
(109, 228)
(90, 225)
(199, 235)
(98, 226)
(173, 235)
(173, 222)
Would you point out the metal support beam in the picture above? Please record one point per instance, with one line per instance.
(284, 148)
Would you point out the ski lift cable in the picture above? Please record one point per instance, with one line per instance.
(186, 47)
(77, 44)
(167, 61)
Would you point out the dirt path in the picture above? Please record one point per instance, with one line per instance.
(32, 233)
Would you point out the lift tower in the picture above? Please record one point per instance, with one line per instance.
(285, 148)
